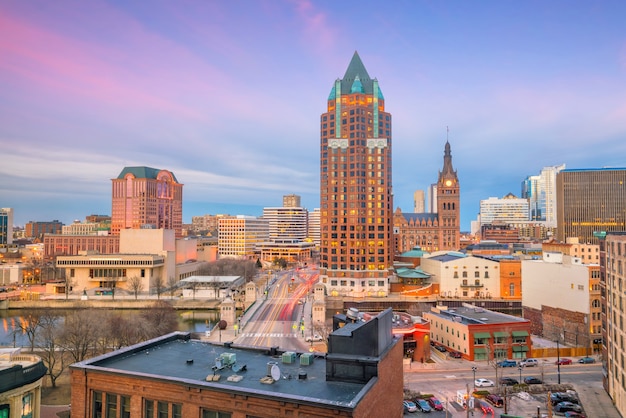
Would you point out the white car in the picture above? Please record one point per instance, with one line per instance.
(315, 337)
(483, 383)
(529, 362)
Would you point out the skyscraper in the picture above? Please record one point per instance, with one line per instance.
(356, 201)
(590, 200)
(6, 227)
(144, 197)
(541, 194)
(418, 201)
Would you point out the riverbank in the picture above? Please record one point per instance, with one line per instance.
(109, 303)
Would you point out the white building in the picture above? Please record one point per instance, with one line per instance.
(541, 194)
(287, 223)
(461, 275)
(314, 227)
(239, 235)
(508, 210)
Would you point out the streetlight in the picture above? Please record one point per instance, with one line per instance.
(520, 367)
(474, 371)
(558, 363)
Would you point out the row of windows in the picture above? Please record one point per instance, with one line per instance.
(370, 283)
(109, 262)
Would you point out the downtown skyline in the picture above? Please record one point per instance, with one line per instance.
(228, 96)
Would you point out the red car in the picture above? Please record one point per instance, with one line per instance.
(435, 403)
(564, 361)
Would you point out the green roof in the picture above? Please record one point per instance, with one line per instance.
(143, 172)
(409, 273)
(355, 80)
(414, 252)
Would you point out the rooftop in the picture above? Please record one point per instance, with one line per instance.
(474, 315)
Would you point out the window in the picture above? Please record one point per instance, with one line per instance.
(96, 404)
(111, 407)
(477, 274)
(148, 411)
(214, 414)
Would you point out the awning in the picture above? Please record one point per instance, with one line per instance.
(520, 333)
(520, 348)
(500, 334)
(482, 335)
(480, 350)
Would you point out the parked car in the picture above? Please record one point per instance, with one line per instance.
(529, 362)
(409, 406)
(440, 348)
(495, 400)
(567, 406)
(422, 405)
(483, 383)
(435, 403)
(455, 354)
(558, 397)
(573, 414)
(587, 360)
(485, 407)
(507, 363)
(508, 381)
(530, 380)
(564, 361)
(315, 337)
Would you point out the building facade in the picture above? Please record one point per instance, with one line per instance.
(38, 229)
(540, 191)
(613, 280)
(239, 235)
(590, 200)
(145, 197)
(21, 377)
(356, 200)
(438, 230)
(6, 227)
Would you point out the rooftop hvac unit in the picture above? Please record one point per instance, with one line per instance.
(289, 357)
(353, 313)
(306, 359)
(228, 359)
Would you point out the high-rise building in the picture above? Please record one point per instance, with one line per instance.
(314, 226)
(418, 201)
(6, 227)
(37, 229)
(590, 200)
(432, 198)
(508, 210)
(356, 200)
(144, 197)
(287, 223)
(541, 194)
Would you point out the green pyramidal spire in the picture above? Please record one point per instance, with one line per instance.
(356, 79)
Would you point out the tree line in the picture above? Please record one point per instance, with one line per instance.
(63, 337)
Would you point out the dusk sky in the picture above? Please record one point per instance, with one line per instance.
(227, 95)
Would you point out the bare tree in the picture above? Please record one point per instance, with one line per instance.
(49, 349)
(79, 333)
(135, 284)
(29, 324)
(159, 285)
(172, 284)
(69, 282)
(159, 319)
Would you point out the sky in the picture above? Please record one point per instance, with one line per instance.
(228, 94)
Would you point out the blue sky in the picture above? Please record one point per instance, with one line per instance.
(228, 94)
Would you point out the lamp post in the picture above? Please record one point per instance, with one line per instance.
(558, 363)
(520, 367)
(474, 371)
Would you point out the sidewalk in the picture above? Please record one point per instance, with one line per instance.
(55, 411)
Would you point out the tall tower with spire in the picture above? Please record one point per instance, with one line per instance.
(356, 199)
(448, 203)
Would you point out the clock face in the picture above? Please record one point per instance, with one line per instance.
(448, 182)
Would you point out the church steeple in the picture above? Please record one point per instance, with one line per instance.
(448, 172)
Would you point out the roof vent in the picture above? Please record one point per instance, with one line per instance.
(353, 313)
(302, 375)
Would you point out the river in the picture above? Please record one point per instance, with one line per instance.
(192, 320)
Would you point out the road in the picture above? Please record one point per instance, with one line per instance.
(282, 318)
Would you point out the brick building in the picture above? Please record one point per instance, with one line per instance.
(178, 376)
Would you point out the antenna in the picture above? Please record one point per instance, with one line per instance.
(275, 372)
(447, 133)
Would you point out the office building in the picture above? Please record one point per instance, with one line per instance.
(432, 198)
(613, 278)
(540, 191)
(438, 230)
(356, 200)
(179, 376)
(508, 210)
(38, 229)
(287, 223)
(590, 200)
(291, 201)
(148, 198)
(314, 227)
(6, 227)
(239, 235)
(418, 201)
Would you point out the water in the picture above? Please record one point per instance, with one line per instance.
(11, 335)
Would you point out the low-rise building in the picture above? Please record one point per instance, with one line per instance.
(21, 377)
(479, 334)
(179, 376)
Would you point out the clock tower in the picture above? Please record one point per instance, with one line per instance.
(448, 204)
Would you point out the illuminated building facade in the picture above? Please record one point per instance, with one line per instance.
(356, 200)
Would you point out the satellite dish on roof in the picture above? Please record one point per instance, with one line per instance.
(275, 372)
